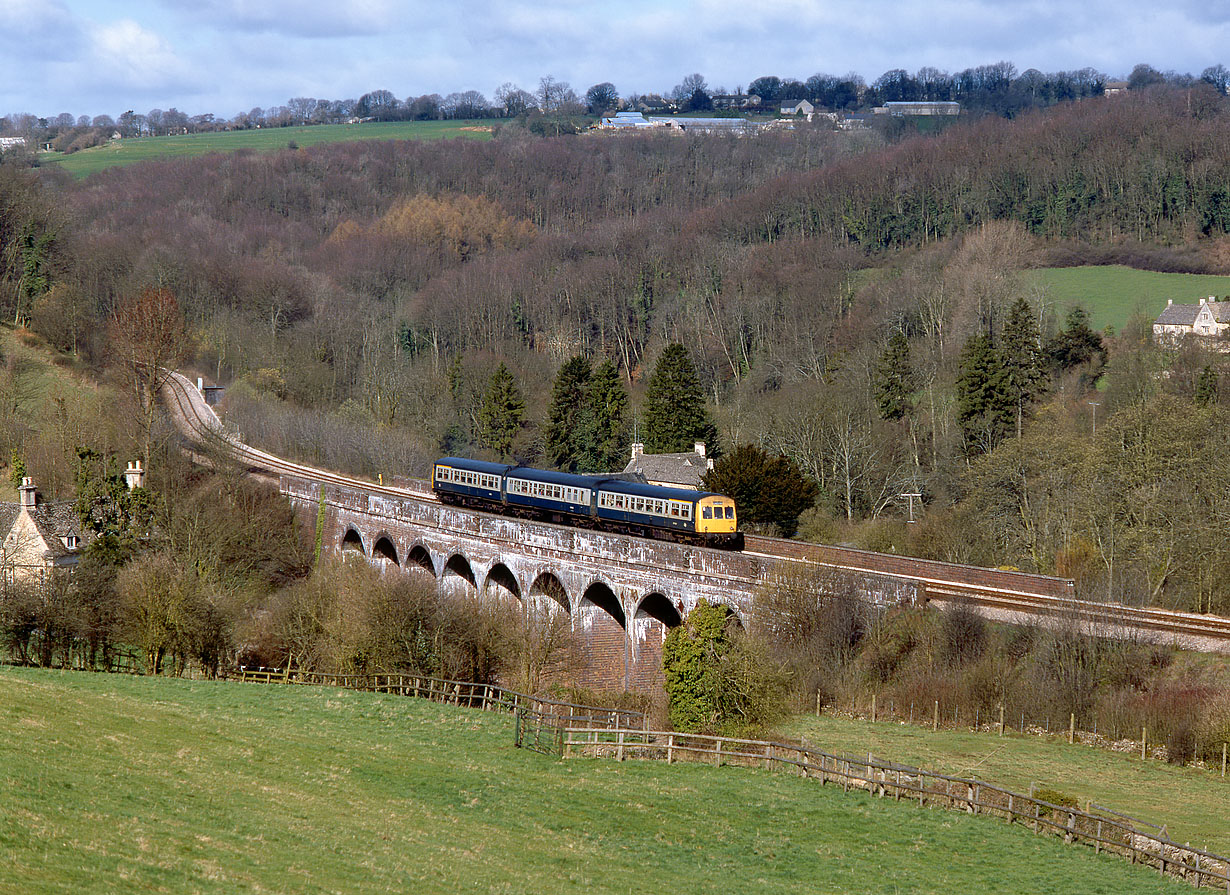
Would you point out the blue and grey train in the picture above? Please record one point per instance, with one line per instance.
(694, 517)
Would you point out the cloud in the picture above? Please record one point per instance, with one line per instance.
(300, 18)
(124, 54)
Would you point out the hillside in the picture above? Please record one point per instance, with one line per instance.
(131, 151)
(130, 784)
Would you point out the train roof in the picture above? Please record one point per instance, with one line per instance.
(638, 489)
(551, 477)
(474, 465)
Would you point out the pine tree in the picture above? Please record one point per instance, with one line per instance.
(1076, 344)
(603, 436)
(499, 417)
(1206, 387)
(894, 379)
(568, 404)
(1020, 357)
(766, 489)
(675, 414)
(984, 408)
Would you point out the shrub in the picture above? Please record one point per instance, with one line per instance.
(964, 634)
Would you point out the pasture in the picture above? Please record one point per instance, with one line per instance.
(1113, 293)
(119, 784)
(131, 151)
(1194, 803)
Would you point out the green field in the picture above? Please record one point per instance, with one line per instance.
(124, 784)
(131, 151)
(1193, 803)
(1111, 294)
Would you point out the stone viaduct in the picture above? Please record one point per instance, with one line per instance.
(621, 594)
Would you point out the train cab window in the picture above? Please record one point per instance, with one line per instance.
(730, 512)
(706, 512)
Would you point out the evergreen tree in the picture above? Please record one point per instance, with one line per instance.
(499, 417)
(1206, 387)
(568, 404)
(603, 436)
(1020, 357)
(894, 379)
(766, 489)
(984, 408)
(675, 414)
(691, 660)
(1076, 343)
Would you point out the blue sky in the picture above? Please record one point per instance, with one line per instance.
(224, 56)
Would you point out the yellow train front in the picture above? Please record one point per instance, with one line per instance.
(697, 517)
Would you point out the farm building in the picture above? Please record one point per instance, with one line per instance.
(670, 470)
(1210, 319)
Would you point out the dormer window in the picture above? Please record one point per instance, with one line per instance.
(72, 542)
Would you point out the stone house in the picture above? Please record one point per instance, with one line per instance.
(1209, 319)
(670, 470)
(40, 537)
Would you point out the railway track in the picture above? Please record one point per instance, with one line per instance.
(1004, 594)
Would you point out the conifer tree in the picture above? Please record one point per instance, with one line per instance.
(766, 489)
(603, 436)
(675, 414)
(1206, 387)
(1020, 357)
(894, 379)
(1076, 344)
(568, 404)
(984, 408)
(499, 417)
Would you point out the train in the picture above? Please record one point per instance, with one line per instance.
(610, 504)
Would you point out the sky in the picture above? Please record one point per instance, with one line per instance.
(91, 57)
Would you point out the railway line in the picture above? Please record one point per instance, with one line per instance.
(1007, 595)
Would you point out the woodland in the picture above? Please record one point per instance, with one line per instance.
(851, 308)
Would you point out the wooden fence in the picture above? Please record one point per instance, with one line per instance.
(486, 697)
(1102, 829)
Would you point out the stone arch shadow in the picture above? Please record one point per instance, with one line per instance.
(418, 559)
(547, 584)
(385, 549)
(458, 569)
(504, 582)
(353, 541)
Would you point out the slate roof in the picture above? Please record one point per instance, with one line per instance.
(1185, 315)
(675, 469)
(55, 521)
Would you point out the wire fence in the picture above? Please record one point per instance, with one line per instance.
(486, 697)
(1116, 737)
(1098, 827)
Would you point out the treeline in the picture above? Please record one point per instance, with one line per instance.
(997, 89)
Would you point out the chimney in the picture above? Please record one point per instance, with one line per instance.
(699, 447)
(637, 449)
(134, 475)
(1169, 302)
(1203, 302)
(29, 496)
(200, 385)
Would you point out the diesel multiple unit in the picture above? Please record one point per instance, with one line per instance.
(611, 504)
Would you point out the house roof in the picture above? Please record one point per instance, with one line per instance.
(56, 520)
(1185, 314)
(674, 469)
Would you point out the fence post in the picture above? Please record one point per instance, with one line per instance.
(1001, 719)
(718, 752)
(1071, 728)
(768, 757)
(1097, 843)
(1010, 812)
(670, 748)
(1144, 738)
(1223, 773)
(817, 703)
(873, 707)
(619, 751)
(935, 718)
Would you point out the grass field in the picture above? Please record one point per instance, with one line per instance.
(1112, 293)
(118, 784)
(128, 152)
(1193, 803)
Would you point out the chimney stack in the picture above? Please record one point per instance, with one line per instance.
(699, 447)
(134, 475)
(637, 449)
(29, 496)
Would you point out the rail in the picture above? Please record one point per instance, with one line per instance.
(1009, 592)
(1103, 830)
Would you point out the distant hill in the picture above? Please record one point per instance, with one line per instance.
(131, 151)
